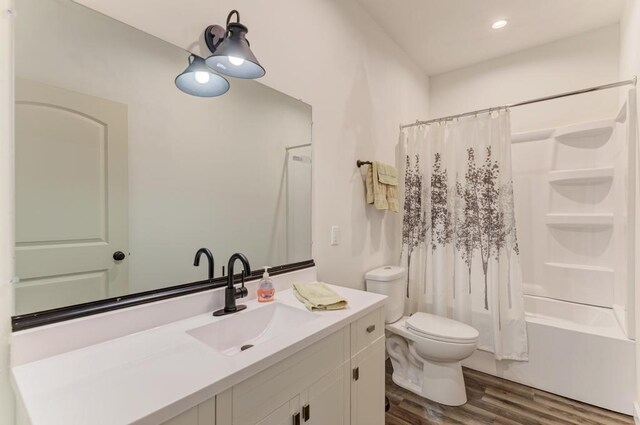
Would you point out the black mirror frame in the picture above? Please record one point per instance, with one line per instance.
(47, 317)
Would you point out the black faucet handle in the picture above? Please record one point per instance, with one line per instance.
(242, 291)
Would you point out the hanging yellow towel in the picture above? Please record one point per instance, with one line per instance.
(379, 189)
(368, 180)
(317, 296)
(388, 176)
(381, 181)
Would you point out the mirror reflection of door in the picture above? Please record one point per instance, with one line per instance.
(71, 197)
(298, 203)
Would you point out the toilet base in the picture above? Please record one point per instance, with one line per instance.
(442, 383)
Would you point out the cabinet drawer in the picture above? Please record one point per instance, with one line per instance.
(366, 330)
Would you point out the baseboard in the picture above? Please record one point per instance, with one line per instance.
(636, 413)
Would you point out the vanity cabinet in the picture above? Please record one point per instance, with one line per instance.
(367, 380)
(338, 380)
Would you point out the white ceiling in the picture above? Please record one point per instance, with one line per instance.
(442, 35)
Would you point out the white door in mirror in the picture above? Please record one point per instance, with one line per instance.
(71, 197)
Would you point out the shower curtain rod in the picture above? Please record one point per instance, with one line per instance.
(527, 102)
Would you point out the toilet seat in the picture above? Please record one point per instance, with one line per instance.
(441, 329)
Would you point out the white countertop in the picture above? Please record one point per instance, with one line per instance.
(154, 375)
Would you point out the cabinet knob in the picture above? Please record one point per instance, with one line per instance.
(356, 374)
(371, 328)
(296, 419)
(306, 412)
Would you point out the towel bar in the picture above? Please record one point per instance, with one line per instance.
(360, 163)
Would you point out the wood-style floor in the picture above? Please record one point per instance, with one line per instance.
(494, 401)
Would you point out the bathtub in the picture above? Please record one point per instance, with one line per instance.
(577, 351)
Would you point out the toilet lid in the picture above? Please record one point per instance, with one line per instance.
(441, 328)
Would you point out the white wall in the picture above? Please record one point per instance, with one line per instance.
(573, 63)
(630, 40)
(332, 55)
(6, 205)
(629, 67)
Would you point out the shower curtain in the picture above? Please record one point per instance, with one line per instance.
(458, 231)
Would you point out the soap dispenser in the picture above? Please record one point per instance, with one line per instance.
(266, 291)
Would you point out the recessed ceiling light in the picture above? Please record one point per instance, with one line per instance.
(499, 24)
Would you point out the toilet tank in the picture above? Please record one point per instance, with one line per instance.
(389, 281)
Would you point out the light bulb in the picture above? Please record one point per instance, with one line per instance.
(499, 24)
(236, 61)
(202, 77)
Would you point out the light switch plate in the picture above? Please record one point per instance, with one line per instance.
(335, 235)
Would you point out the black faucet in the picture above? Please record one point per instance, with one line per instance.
(230, 292)
(196, 260)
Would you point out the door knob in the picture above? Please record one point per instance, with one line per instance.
(119, 255)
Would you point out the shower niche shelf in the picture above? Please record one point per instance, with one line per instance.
(589, 135)
(582, 176)
(580, 267)
(579, 220)
(578, 283)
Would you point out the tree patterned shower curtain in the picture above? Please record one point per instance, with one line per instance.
(459, 234)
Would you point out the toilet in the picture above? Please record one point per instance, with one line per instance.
(426, 350)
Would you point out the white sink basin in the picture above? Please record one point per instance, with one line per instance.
(251, 327)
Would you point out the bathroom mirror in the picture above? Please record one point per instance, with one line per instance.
(121, 177)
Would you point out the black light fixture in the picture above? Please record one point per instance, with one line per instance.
(231, 53)
(199, 80)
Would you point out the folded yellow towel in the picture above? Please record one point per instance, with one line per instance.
(381, 184)
(317, 296)
(387, 174)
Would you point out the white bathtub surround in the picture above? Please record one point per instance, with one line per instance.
(575, 205)
(576, 351)
(151, 376)
(572, 190)
(459, 234)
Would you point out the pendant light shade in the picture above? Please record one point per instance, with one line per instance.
(233, 57)
(199, 80)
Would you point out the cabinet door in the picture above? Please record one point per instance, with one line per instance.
(285, 414)
(280, 417)
(325, 402)
(367, 385)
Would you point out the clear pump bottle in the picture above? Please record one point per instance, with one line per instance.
(266, 291)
